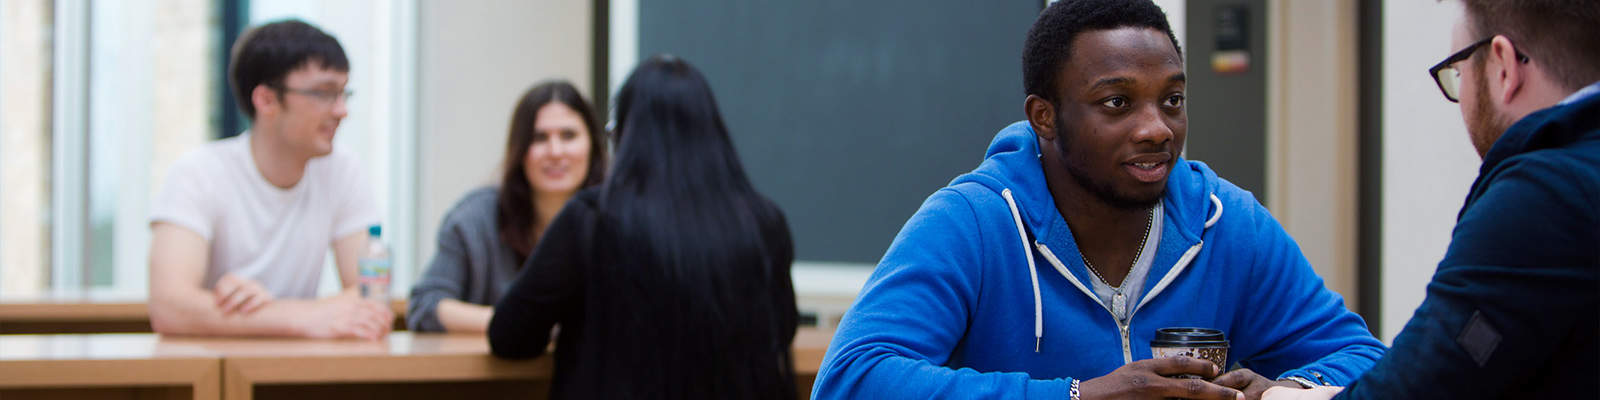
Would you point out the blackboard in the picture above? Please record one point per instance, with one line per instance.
(850, 113)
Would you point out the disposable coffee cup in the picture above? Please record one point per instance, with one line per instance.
(1202, 343)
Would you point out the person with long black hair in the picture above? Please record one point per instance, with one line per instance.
(670, 279)
(554, 148)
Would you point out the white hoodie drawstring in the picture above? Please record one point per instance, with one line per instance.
(1038, 305)
(1217, 215)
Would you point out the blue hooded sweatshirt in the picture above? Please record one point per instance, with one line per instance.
(983, 295)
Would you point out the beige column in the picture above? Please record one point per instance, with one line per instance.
(1312, 148)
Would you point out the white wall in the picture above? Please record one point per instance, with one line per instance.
(1428, 163)
(476, 58)
(1176, 10)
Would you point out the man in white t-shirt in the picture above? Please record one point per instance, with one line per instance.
(242, 225)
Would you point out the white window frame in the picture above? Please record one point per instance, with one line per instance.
(69, 128)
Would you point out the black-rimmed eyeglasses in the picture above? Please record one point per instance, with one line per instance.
(1448, 77)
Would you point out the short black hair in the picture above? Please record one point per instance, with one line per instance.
(266, 54)
(1551, 31)
(1049, 43)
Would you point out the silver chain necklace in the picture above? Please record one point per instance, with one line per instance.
(1118, 301)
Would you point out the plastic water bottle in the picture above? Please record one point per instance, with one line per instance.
(374, 267)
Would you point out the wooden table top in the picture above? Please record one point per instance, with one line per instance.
(234, 367)
(396, 344)
(106, 360)
(107, 346)
(809, 347)
(74, 311)
(61, 309)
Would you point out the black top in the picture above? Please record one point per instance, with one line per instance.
(1513, 311)
(623, 337)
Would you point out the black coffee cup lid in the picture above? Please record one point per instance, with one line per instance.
(1183, 337)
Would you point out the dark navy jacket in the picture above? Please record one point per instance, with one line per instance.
(1514, 308)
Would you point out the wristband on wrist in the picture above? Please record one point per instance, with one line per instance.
(1304, 383)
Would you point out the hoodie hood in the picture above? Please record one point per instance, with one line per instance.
(1012, 162)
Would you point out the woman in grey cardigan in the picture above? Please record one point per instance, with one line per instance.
(555, 148)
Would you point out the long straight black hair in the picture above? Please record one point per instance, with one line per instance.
(703, 258)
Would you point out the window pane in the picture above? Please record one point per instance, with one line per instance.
(153, 91)
(25, 156)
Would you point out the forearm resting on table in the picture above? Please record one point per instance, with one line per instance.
(193, 311)
(460, 316)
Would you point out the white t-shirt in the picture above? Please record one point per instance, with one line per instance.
(278, 237)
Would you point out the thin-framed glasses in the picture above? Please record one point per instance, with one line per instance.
(1448, 77)
(324, 96)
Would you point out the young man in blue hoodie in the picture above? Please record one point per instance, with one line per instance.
(1046, 272)
(1514, 308)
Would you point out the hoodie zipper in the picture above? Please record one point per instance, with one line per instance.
(1122, 328)
(1127, 348)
